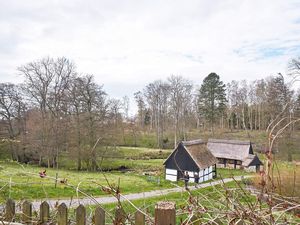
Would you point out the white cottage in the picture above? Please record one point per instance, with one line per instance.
(191, 156)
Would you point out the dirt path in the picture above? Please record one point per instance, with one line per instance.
(133, 196)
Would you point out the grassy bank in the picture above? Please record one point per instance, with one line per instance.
(207, 204)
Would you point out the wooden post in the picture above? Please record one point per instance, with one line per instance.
(139, 218)
(80, 215)
(10, 210)
(44, 212)
(165, 213)
(56, 177)
(27, 212)
(99, 216)
(62, 215)
(120, 216)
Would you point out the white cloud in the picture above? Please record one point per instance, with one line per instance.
(127, 44)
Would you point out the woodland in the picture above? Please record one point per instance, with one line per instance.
(57, 112)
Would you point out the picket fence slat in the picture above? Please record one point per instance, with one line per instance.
(27, 212)
(44, 212)
(164, 214)
(62, 214)
(139, 218)
(99, 216)
(10, 210)
(80, 215)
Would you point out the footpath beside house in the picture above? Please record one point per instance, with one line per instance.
(193, 157)
(234, 154)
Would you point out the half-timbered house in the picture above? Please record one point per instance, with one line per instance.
(193, 157)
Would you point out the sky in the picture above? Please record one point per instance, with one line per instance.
(127, 44)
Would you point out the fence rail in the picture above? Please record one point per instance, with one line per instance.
(165, 214)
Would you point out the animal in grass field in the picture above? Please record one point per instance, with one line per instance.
(42, 174)
(64, 181)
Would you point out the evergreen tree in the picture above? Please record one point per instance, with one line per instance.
(212, 98)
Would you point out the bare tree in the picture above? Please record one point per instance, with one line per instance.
(139, 98)
(180, 102)
(125, 106)
(12, 111)
(157, 95)
(94, 110)
(46, 81)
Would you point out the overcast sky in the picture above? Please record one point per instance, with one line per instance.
(127, 44)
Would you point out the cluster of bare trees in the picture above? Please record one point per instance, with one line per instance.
(56, 111)
(166, 105)
(175, 106)
(254, 105)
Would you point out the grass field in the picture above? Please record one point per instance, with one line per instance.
(23, 182)
(127, 167)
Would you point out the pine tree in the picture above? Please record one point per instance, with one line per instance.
(212, 98)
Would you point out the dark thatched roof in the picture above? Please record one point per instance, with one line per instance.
(199, 153)
(251, 160)
(196, 152)
(230, 149)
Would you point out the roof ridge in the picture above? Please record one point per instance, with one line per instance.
(229, 141)
(193, 142)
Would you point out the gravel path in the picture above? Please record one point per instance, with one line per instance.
(133, 196)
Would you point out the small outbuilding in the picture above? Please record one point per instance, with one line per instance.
(234, 154)
(193, 157)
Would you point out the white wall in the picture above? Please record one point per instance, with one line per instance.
(210, 176)
(250, 169)
(171, 174)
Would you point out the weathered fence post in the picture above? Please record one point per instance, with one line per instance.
(165, 213)
(44, 212)
(62, 216)
(120, 216)
(80, 215)
(55, 182)
(10, 210)
(99, 216)
(139, 218)
(27, 212)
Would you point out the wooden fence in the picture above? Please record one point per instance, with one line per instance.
(165, 214)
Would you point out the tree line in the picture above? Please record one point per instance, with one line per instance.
(178, 106)
(57, 111)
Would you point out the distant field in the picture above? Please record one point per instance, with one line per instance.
(286, 148)
(130, 158)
